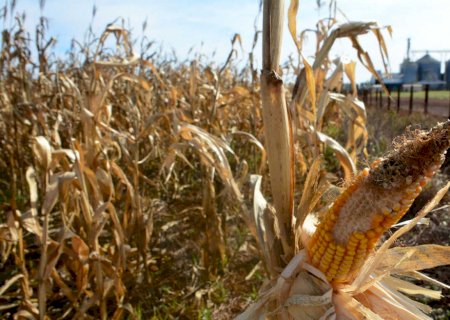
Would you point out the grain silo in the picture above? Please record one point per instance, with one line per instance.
(410, 71)
(447, 74)
(429, 69)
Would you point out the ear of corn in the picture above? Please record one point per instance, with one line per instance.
(376, 200)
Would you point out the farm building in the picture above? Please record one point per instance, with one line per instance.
(409, 71)
(424, 71)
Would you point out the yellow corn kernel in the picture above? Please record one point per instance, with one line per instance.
(333, 269)
(379, 230)
(377, 220)
(328, 226)
(328, 256)
(324, 264)
(396, 207)
(429, 173)
(339, 255)
(387, 223)
(375, 163)
(407, 201)
(322, 249)
(327, 236)
(316, 258)
(349, 257)
(371, 234)
(358, 235)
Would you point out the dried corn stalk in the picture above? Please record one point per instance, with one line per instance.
(277, 124)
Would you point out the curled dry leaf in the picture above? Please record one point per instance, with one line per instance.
(81, 251)
(42, 151)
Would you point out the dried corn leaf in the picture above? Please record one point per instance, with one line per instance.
(8, 283)
(383, 48)
(349, 69)
(29, 221)
(365, 59)
(392, 305)
(309, 298)
(259, 145)
(311, 85)
(348, 308)
(211, 151)
(292, 23)
(81, 250)
(42, 151)
(405, 259)
(259, 206)
(314, 187)
(277, 292)
(343, 156)
(420, 276)
(52, 191)
(411, 289)
(357, 136)
(54, 251)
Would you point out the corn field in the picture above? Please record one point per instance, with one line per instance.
(142, 186)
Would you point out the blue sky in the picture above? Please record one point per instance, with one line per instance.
(208, 25)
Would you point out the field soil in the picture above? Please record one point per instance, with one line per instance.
(436, 106)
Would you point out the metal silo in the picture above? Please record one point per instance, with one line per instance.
(410, 71)
(429, 69)
(447, 74)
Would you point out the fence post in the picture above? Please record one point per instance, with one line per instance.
(411, 96)
(427, 88)
(398, 98)
(449, 106)
(380, 100)
(389, 100)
